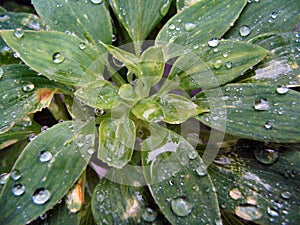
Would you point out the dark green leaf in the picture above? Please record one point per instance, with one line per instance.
(2, 10)
(89, 21)
(148, 110)
(57, 55)
(24, 92)
(117, 138)
(178, 180)
(260, 17)
(46, 162)
(255, 111)
(198, 24)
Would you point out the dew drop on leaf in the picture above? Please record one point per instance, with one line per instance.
(28, 87)
(229, 65)
(113, 38)
(235, 194)
(282, 89)
(4, 18)
(45, 156)
(15, 175)
(189, 26)
(181, 207)
(164, 8)
(218, 64)
(98, 111)
(201, 170)
(172, 26)
(44, 128)
(16, 55)
(96, 1)
(55, 22)
(1, 72)
(82, 45)
(245, 31)
(57, 57)
(213, 42)
(40, 196)
(3, 178)
(266, 156)
(261, 104)
(248, 212)
(286, 194)
(272, 212)
(192, 154)
(18, 189)
(274, 15)
(149, 215)
(19, 33)
(31, 137)
(269, 125)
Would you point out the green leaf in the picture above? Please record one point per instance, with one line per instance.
(59, 56)
(99, 94)
(60, 148)
(139, 17)
(89, 21)
(258, 182)
(266, 16)
(182, 4)
(2, 10)
(281, 67)
(171, 164)
(148, 110)
(22, 93)
(127, 92)
(178, 108)
(254, 111)
(19, 131)
(198, 24)
(117, 138)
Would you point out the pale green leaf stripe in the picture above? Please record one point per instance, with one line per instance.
(198, 24)
(277, 119)
(78, 65)
(56, 175)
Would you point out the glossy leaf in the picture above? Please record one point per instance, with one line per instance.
(171, 164)
(198, 24)
(257, 187)
(57, 55)
(89, 21)
(67, 144)
(148, 110)
(116, 143)
(139, 17)
(99, 94)
(266, 16)
(18, 132)
(254, 111)
(182, 4)
(22, 93)
(178, 108)
(281, 67)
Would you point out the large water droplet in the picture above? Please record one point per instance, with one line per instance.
(201, 170)
(192, 154)
(82, 45)
(181, 207)
(96, 1)
(261, 104)
(15, 175)
(213, 42)
(235, 194)
(19, 33)
(1, 72)
(245, 31)
(40, 196)
(45, 156)
(57, 57)
(18, 189)
(113, 38)
(286, 194)
(172, 26)
(269, 124)
(282, 89)
(266, 156)
(189, 26)
(274, 15)
(149, 215)
(28, 87)
(98, 111)
(218, 64)
(164, 8)
(272, 212)
(3, 178)
(248, 212)
(31, 137)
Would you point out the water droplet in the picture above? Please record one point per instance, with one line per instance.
(218, 221)
(55, 22)
(201, 170)
(235, 194)
(274, 15)
(172, 26)
(98, 111)
(282, 89)
(96, 1)
(18, 189)
(261, 104)
(31, 137)
(181, 207)
(117, 62)
(44, 128)
(269, 125)
(113, 38)
(165, 8)
(189, 26)
(272, 212)
(3, 178)
(245, 31)
(4, 18)
(218, 64)
(149, 215)
(58, 57)
(45, 156)
(248, 212)
(28, 87)
(15, 175)
(229, 65)
(19, 33)
(286, 194)
(40, 196)
(82, 45)
(16, 55)
(192, 154)
(1, 72)
(266, 156)
(213, 42)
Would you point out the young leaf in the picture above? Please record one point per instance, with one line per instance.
(265, 16)
(198, 24)
(254, 111)
(178, 109)
(99, 94)
(89, 21)
(171, 164)
(59, 56)
(45, 171)
(116, 143)
(22, 93)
